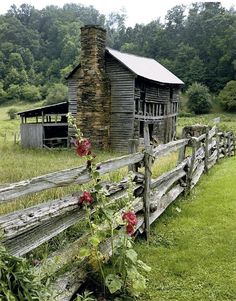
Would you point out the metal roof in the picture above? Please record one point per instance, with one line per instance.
(57, 108)
(146, 67)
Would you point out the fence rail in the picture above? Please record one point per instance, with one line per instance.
(26, 229)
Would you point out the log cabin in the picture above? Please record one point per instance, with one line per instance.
(117, 96)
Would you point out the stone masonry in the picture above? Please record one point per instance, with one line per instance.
(94, 99)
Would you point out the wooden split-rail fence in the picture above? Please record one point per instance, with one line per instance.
(26, 229)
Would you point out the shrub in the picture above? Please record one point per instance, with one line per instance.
(18, 281)
(3, 94)
(57, 93)
(198, 99)
(30, 93)
(227, 96)
(12, 113)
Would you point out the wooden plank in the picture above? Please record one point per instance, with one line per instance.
(212, 132)
(24, 230)
(176, 172)
(164, 202)
(65, 177)
(206, 150)
(172, 146)
(197, 174)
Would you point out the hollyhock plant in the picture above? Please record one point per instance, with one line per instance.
(85, 198)
(83, 147)
(130, 217)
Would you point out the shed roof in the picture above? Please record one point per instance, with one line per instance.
(58, 108)
(146, 67)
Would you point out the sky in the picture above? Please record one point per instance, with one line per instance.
(137, 11)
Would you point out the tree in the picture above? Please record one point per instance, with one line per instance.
(30, 93)
(227, 96)
(198, 99)
(57, 93)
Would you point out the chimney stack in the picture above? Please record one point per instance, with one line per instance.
(93, 87)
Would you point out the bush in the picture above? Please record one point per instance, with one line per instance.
(12, 113)
(57, 93)
(30, 93)
(3, 94)
(18, 281)
(227, 97)
(198, 99)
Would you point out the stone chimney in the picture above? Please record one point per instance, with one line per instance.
(94, 100)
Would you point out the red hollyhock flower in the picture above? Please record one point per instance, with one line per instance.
(83, 147)
(85, 198)
(130, 217)
(130, 229)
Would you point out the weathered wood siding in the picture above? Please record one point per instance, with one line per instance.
(73, 98)
(122, 104)
(31, 135)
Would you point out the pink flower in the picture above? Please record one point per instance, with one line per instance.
(85, 198)
(130, 217)
(83, 147)
(130, 229)
(131, 220)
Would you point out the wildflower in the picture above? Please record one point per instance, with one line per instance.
(130, 229)
(85, 198)
(83, 147)
(130, 217)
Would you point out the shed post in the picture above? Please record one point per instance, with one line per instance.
(133, 148)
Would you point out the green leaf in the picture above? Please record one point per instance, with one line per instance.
(131, 255)
(144, 266)
(113, 282)
(83, 252)
(94, 240)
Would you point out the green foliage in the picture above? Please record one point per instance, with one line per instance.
(57, 93)
(12, 113)
(30, 93)
(18, 281)
(198, 99)
(3, 94)
(227, 97)
(197, 45)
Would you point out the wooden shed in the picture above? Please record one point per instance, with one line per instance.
(117, 96)
(45, 126)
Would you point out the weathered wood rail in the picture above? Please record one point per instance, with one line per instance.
(26, 229)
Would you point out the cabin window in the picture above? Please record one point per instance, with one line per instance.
(171, 94)
(150, 128)
(141, 129)
(142, 94)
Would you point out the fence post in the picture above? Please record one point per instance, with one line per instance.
(225, 144)
(228, 143)
(234, 146)
(206, 151)
(146, 194)
(182, 150)
(193, 143)
(217, 145)
(133, 148)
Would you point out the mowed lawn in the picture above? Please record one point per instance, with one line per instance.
(192, 250)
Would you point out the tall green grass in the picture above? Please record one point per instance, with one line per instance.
(192, 246)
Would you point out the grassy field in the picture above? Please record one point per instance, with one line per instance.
(192, 251)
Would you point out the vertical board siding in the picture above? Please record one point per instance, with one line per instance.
(72, 99)
(31, 135)
(122, 104)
